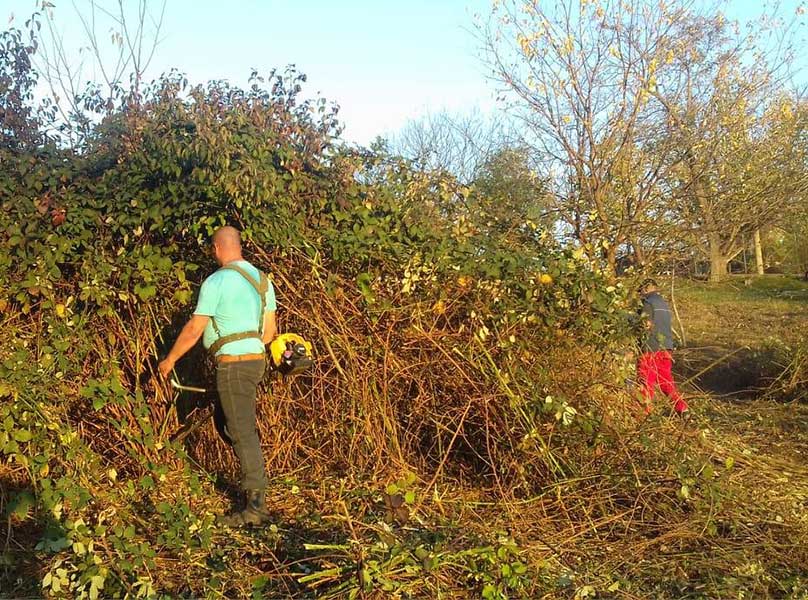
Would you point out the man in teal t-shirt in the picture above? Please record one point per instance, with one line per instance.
(230, 299)
(230, 306)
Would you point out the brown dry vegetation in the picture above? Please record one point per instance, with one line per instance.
(620, 507)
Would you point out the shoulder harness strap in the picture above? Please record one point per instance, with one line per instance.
(261, 288)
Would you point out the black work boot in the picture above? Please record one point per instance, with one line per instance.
(254, 513)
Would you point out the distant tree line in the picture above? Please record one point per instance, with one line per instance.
(662, 134)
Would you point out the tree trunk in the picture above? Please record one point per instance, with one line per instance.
(718, 261)
(609, 256)
(611, 259)
(639, 255)
(758, 253)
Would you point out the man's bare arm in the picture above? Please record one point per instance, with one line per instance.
(186, 340)
(270, 327)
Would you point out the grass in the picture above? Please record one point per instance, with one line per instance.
(734, 313)
(748, 329)
(745, 325)
(751, 326)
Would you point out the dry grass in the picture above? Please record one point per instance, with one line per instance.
(753, 330)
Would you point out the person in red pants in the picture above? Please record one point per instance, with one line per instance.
(654, 366)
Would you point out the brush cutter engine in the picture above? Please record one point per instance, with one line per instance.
(290, 354)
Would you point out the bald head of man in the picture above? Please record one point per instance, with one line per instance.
(227, 244)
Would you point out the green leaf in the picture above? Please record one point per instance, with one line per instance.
(21, 505)
(259, 582)
(22, 435)
(144, 292)
(363, 282)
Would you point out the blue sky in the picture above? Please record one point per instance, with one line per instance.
(383, 61)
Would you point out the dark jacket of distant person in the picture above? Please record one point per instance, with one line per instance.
(660, 333)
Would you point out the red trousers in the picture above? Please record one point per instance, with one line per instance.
(654, 370)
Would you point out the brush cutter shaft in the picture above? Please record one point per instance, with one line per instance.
(188, 388)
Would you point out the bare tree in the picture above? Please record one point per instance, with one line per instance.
(457, 143)
(116, 67)
(582, 75)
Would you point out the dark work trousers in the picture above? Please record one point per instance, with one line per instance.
(237, 383)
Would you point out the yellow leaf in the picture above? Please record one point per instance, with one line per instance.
(568, 46)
